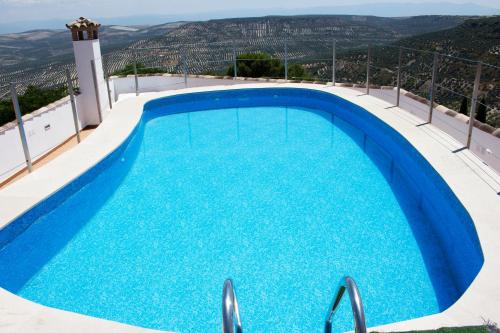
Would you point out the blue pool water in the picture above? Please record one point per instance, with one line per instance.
(284, 197)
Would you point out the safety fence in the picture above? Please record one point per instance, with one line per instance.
(47, 94)
(440, 78)
(464, 88)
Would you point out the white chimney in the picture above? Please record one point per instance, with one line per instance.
(85, 34)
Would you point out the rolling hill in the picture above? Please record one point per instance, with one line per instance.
(207, 47)
(55, 45)
(476, 39)
(26, 48)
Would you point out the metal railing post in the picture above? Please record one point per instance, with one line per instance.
(433, 86)
(235, 63)
(368, 69)
(96, 90)
(135, 75)
(106, 75)
(286, 61)
(398, 90)
(73, 105)
(185, 69)
(334, 50)
(473, 106)
(20, 126)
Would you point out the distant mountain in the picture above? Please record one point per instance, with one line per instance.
(207, 47)
(306, 35)
(58, 23)
(316, 25)
(475, 39)
(404, 9)
(309, 42)
(55, 45)
(164, 14)
(38, 47)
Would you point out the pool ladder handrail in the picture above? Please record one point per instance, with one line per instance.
(230, 312)
(356, 304)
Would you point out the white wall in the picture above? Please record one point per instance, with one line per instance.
(487, 148)
(59, 116)
(85, 51)
(483, 144)
(50, 126)
(45, 129)
(126, 85)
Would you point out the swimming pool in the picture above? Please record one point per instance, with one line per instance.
(284, 190)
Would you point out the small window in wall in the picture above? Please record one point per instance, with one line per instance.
(80, 35)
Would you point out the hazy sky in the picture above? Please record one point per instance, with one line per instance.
(23, 10)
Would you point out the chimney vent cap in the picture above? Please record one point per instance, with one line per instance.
(82, 24)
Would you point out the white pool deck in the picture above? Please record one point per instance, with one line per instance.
(476, 186)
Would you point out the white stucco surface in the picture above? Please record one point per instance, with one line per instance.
(472, 181)
(45, 129)
(86, 51)
(484, 145)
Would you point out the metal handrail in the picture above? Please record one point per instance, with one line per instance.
(357, 306)
(230, 312)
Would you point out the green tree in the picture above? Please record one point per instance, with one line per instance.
(141, 69)
(298, 72)
(6, 111)
(263, 65)
(481, 111)
(33, 99)
(257, 65)
(464, 106)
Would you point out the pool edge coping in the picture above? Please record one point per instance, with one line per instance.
(19, 197)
